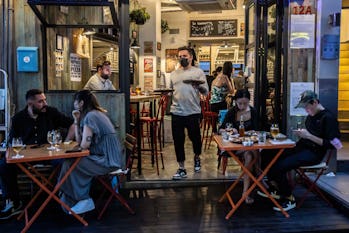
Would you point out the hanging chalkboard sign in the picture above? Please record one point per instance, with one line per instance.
(213, 28)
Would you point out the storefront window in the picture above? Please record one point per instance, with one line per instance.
(72, 58)
(78, 35)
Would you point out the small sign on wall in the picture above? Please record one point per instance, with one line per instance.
(27, 59)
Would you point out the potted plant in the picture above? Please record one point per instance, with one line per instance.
(139, 16)
(164, 26)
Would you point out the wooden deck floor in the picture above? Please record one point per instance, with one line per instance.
(191, 210)
(190, 206)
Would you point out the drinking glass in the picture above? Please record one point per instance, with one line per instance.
(58, 139)
(138, 90)
(51, 138)
(274, 131)
(17, 146)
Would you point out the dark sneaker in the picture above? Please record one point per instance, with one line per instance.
(287, 204)
(197, 165)
(10, 210)
(180, 174)
(273, 193)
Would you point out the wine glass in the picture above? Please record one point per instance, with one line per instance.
(58, 139)
(51, 138)
(274, 130)
(17, 146)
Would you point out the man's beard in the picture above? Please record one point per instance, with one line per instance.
(105, 76)
(39, 110)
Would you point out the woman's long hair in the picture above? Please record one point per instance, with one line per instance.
(228, 68)
(90, 101)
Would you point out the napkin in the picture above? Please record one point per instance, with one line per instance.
(281, 142)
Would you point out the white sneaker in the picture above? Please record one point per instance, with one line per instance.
(83, 206)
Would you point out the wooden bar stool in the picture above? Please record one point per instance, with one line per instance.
(208, 122)
(155, 124)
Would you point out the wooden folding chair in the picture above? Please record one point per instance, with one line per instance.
(130, 145)
(318, 169)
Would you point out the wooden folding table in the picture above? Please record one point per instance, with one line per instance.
(31, 156)
(231, 148)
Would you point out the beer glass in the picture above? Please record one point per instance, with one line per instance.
(17, 146)
(274, 130)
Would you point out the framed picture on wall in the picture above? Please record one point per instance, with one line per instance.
(148, 65)
(148, 48)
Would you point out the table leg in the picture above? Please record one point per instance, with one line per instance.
(45, 182)
(255, 183)
(51, 194)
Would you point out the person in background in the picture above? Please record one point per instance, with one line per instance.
(100, 81)
(221, 88)
(240, 81)
(93, 131)
(209, 79)
(186, 109)
(245, 112)
(320, 134)
(31, 124)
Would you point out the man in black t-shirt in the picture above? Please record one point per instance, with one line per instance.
(31, 124)
(320, 134)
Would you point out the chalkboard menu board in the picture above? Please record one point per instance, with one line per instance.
(213, 28)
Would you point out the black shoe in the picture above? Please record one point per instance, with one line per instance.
(197, 165)
(10, 210)
(273, 192)
(287, 204)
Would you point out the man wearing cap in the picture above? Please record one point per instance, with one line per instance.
(321, 128)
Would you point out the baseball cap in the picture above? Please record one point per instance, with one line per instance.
(306, 97)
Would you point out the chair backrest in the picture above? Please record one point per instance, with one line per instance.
(131, 146)
(162, 107)
(205, 103)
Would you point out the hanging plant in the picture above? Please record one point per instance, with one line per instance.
(139, 16)
(164, 26)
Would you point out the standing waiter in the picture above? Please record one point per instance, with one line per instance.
(188, 82)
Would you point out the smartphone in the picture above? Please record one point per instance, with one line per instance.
(73, 150)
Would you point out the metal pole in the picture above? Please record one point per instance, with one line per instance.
(124, 57)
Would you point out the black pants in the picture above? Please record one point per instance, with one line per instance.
(192, 124)
(289, 160)
(8, 176)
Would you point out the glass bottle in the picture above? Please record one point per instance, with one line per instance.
(242, 127)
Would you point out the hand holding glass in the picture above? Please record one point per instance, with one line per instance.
(274, 131)
(17, 146)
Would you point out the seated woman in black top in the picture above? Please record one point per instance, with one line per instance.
(243, 110)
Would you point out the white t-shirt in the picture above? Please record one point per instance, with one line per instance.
(97, 83)
(186, 98)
